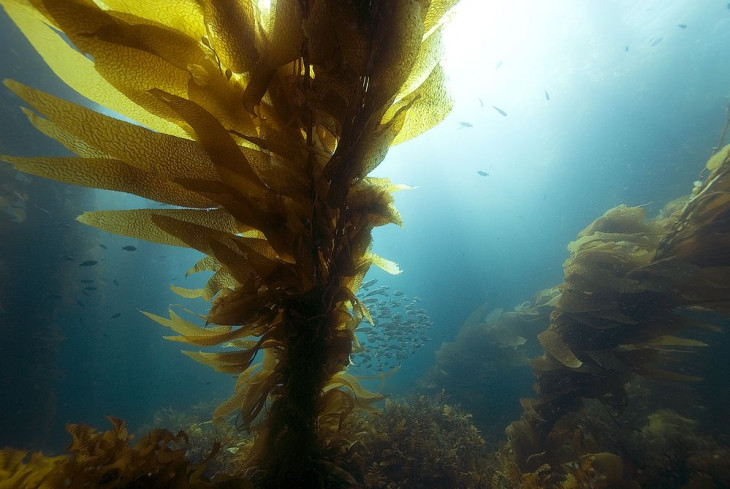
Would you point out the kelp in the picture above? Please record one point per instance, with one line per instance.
(418, 442)
(630, 284)
(110, 460)
(262, 125)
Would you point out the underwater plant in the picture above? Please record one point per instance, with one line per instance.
(260, 125)
(419, 442)
(630, 284)
(108, 459)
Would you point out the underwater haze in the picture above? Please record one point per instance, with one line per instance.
(562, 110)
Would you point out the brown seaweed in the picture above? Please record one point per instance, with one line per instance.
(630, 286)
(263, 124)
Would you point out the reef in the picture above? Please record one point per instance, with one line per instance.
(418, 442)
(260, 125)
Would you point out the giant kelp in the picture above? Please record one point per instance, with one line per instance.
(261, 125)
(630, 285)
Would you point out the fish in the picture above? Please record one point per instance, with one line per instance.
(88, 263)
(45, 211)
(498, 65)
(115, 315)
(398, 293)
(464, 124)
(547, 96)
(68, 258)
(129, 248)
(87, 281)
(115, 282)
(90, 288)
(503, 113)
(483, 173)
(103, 246)
(655, 41)
(369, 283)
(626, 49)
(80, 303)
(682, 26)
(481, 102)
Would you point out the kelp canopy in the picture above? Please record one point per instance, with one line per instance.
(260, 125)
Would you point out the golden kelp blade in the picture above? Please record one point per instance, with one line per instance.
(78, 71)
(137, 223)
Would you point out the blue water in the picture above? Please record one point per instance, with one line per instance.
(637, 103)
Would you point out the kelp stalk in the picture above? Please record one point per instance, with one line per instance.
(260, 125)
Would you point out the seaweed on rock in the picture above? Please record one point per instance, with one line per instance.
(109, 460)
(419, 442)
(629, 286)
(262, 125)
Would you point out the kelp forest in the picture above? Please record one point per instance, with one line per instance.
(256, 127)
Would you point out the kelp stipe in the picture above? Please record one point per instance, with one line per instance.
(262, 125)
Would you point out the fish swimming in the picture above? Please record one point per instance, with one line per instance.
(115, 315)
(483, 173)
(465, 124)
(88, 263)
(129, 248)
(369, 283)
(503, 113)
(547, 96)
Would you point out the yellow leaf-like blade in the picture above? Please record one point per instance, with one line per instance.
(669, 340)
(211, 337)
(70, 141)
(429, 56)
(138, 223)
(556, 347)
(185, 16)
(388, 266)
(207, 263)
(180, 325)
(432, 103)
(217, 142)
(219, 281)
(78, 71)
(168, 156)
(109, 174)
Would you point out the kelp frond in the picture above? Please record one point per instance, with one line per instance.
(261, 125)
